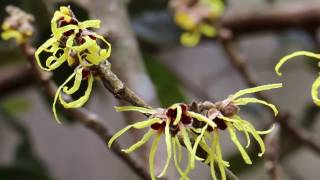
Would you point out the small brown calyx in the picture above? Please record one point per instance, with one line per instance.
(227, 108)
(158, 126)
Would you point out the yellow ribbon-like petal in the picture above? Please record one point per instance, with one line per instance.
(76, 84)
(90, 24)
(138, 125)
(82, 100)
(245, 101)
(293, 55)
(152, 154)
(256, 89)
(135, 108)
(141, 142)
(57, 95)
(179, 113)
(195, 146)
(176, 142)
(42, 48)
(236, 141)
(219, 154)
(169, 149)
(315, 91)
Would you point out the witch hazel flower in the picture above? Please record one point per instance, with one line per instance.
(174, 124)
(316, 83)
(18, 25)
(225, 115)
(73, 42)
(197, 18)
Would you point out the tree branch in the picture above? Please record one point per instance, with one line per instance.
(14, 77)
(81, 115)
(301, 15)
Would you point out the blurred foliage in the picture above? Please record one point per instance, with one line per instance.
(139, 6)
(15, 105)
(25, 164)
(166, 84)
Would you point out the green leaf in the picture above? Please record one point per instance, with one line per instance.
(15, 105)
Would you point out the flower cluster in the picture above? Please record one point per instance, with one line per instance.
(194, 126)
(81, 48)
(17, 25)
(197, 18)
(316, 83)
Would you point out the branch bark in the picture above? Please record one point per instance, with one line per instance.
(301, 15)
(81, 115)
(14, 77)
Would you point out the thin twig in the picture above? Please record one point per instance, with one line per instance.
(14, 77)
(83, 116)
(298, 15)
(272, 154)
(302, 135)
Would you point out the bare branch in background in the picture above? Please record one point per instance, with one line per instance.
(14, 77)
(272, 154)
(301, 15)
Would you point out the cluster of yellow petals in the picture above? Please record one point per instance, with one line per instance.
(197, 18)
(205, 137)
(74, 43)
(17, 25)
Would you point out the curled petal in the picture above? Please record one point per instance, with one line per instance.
(256, 89)
(245, 101)
(314, 91)
(42, 48)
(141, 142)
(76, 84)
(57, 95)
(169, 149)
(87, 44)
(179, 113)
(293, 55)
(108, 51)
(135, 108)
(267, 131)
(138, 125)
(82, 100)
(53, 62)
(236, 141)
(152, 154)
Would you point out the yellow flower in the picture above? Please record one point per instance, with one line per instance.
(74, 43)
(172, 122)
(196, 18)
(17, 25)
(224, 114)
(316, 83)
